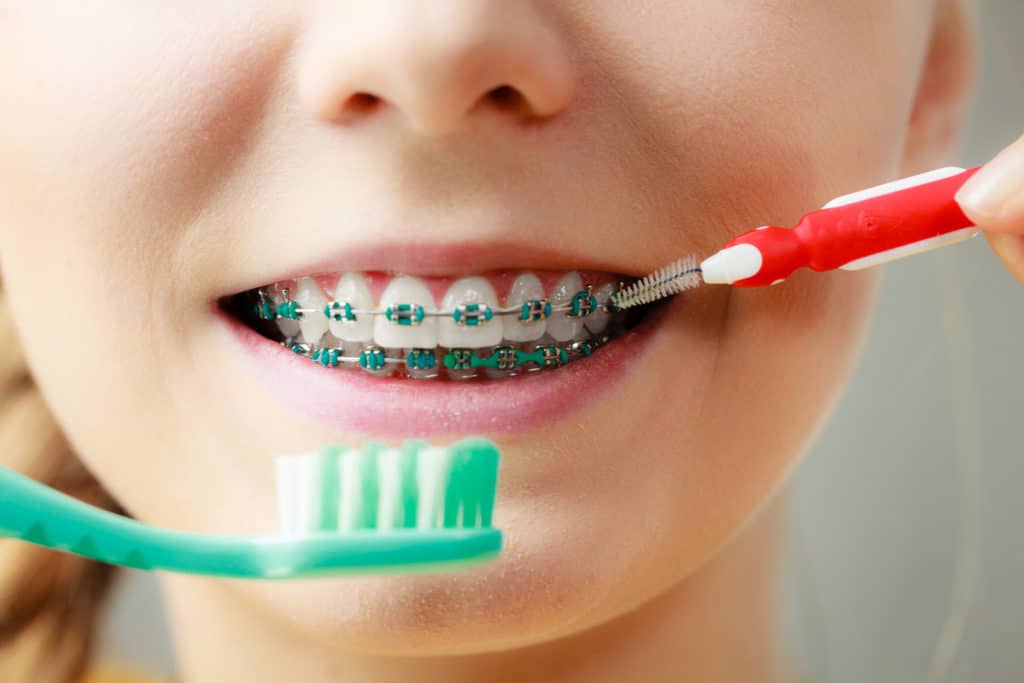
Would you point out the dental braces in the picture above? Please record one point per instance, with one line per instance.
(582, 304)
(505, 357)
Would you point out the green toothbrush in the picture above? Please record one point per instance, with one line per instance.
(342, 511)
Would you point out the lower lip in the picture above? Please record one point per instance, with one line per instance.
(352, 401)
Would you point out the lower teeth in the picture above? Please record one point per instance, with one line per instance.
(455, 363)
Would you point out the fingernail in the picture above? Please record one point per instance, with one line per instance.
(998, 186)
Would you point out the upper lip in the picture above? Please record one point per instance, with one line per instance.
(446, 259)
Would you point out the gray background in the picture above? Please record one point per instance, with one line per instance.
(915, 485)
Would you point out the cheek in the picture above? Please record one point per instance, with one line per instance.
(783, 355)
(126, 121)
(786, 353)
(115, 129)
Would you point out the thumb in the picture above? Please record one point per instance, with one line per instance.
(994, 200)
(994, 197)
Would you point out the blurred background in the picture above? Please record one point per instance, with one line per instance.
(906, 549)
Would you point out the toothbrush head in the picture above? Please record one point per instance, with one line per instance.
(343, 511)
(672, 279)
(431, 499)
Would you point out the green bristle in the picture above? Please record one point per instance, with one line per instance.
(459, 482)
(479, 494)
(370, 483)
(410, 453)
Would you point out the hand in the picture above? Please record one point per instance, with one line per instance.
(994, 200)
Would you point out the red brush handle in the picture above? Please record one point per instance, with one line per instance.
(866, 228)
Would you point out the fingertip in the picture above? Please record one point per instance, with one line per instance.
(1010, 250)
(994, 197)
(1011, 221)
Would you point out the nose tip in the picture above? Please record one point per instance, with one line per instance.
(440, 64)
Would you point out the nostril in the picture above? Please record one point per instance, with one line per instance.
(507, 98)
(362, 102)
(504, 94)
(359, 104)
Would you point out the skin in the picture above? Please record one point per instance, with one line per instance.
(158, 157)
(994, 199)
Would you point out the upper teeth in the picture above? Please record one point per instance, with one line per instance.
(561, 325)
(526, 288)
(405, 325)
(308, 293)
(470, 315)
(598, 320)
(351, 290)
(472, 301)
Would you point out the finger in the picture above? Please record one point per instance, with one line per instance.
(1010, 250)
(994, 197)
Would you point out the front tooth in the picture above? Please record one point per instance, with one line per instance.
(309, 296)
(598, 319)
(561, 326)
(390, 334)
(352, 288)
(476, 330)
(527, 287)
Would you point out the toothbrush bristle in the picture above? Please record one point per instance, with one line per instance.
(415, 486)
(674, 278)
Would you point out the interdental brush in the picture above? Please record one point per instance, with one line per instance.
(855, 231)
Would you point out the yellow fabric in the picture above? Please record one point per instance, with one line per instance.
(104, 675)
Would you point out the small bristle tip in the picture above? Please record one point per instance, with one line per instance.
(669, 280)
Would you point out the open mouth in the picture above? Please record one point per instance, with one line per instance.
(496, 325)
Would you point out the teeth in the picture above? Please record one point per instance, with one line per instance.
(352, 288)
(598, 320)
(408, 333)
(309, 295)
(413, 294)
(527, 287)
(426, 363)
(560, 325)
(373, 359)
(289, 328)
(476, 330)
(350, 350)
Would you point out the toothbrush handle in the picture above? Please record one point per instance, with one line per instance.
(859, 230)
(36, 513)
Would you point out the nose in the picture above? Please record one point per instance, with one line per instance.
(440, 63)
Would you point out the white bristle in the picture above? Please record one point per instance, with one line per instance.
(298, 492)
(672, 279)
(287, 485)
(389, 497)
(432, 474)
(350, 503)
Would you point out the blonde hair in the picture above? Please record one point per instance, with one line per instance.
(50, 602)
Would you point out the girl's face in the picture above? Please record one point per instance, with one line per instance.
(157, 157)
